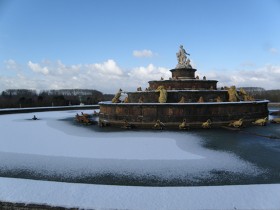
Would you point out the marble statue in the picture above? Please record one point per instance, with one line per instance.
(183, 62)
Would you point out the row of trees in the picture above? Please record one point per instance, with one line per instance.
(260, 93)
(20, 98)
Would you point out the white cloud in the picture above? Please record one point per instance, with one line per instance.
(108, 77)
(11, 65)
(267, 77)
(109, 68)
(35, 67)
(150, 72)
(143, 53)
(59, 68)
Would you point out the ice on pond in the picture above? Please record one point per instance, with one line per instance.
(53, 146)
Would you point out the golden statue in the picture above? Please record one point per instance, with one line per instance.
(159, 125)
(237, 123)
(182, 100)
(200, 100)
(84, 118)
(245, 95)
(207, 124)
(218, 99)
(126, 100)
(276, 120)
(141, 99)
(232, 93)
(127, 125)
(162, 94)
(261, 122)
(184, 125)
(116, 98)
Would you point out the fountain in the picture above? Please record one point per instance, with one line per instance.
(183, 101)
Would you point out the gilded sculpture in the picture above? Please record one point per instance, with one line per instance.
(233, 95)
(126, 100)
(200, 100)
(218, 99)
(159, 125)
(116, 98)
(182, 100)
(184, 125)
(207, 124)
(245, 95)
(276, 120)
(162, 94)
(261, 122)
(237, 123)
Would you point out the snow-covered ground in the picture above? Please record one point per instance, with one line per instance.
(54, 147)
(121, 197)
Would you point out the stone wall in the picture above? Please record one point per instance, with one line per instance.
(175, 96)
(192, 84)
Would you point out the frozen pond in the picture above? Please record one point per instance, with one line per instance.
(56, 148)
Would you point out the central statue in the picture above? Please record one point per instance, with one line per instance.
(183, 62)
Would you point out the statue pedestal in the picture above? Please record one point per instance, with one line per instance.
(183, 73)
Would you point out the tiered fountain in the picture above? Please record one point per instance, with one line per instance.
(182, 101)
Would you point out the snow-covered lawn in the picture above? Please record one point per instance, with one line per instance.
(121, 197)
(54, 146)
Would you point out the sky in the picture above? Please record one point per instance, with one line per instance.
(111, 44)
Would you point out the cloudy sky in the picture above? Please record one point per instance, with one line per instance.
(112, 44)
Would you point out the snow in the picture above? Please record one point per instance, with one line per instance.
(63, 149)
(64, 140)
(55, 146)
(184, 104)
(121, 197)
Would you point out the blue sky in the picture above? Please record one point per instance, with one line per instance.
(107, 44)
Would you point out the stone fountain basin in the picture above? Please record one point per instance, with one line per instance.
(144, 115)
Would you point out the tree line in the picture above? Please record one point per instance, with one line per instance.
(261, 93)
(21, 98)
